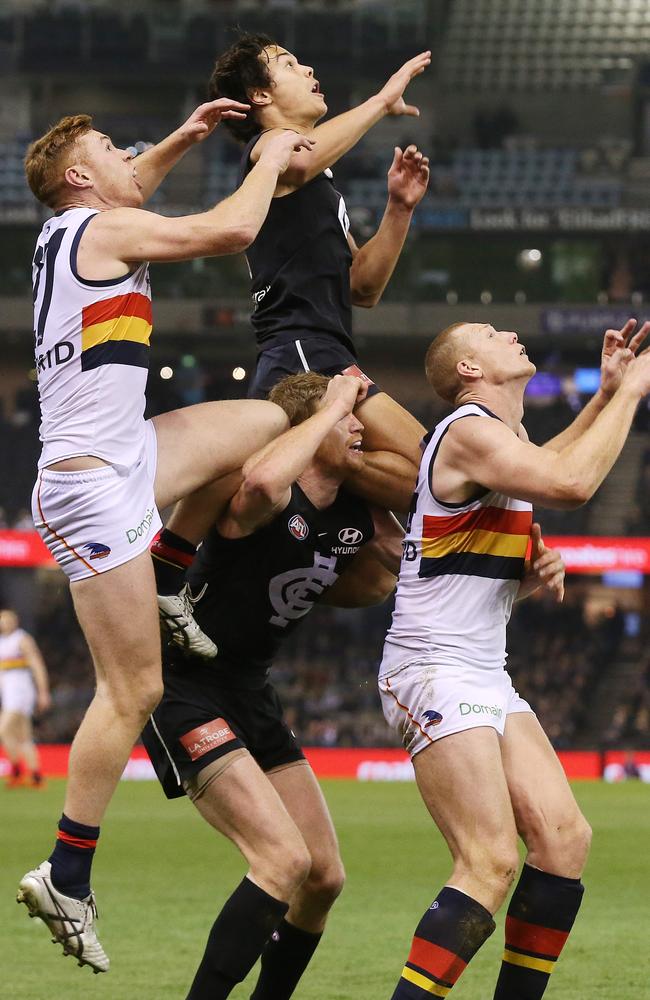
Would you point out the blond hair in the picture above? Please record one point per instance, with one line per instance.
(444, 353)
(47, 158)
(299, 394)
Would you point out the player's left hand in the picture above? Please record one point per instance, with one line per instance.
(205, 119)
(43, 702)
(619, 347)
(546, 565)
(408, 176)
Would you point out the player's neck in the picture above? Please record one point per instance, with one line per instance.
(319, 486)
(275, 119)
(506, 401)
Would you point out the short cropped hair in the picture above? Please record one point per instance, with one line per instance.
(298, 395)
(240, 69)
(441, 360)
(46, 159)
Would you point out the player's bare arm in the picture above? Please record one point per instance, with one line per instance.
(338, 135)
(374, 263)
(268, 475)
(477, 452)
(619, 347)
(36, 664)
(154, 164)
(118, 238)
(372, 576)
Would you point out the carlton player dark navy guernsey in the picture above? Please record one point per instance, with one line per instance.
(250, 593)
(300, 265)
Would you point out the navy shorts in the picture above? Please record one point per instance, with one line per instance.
(202, 718)
(309, 354)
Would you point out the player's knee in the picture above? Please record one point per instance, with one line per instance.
(494, 864)
(136, 697)
(284, 870)
(325, 881)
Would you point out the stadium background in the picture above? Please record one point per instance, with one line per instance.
(536, 117)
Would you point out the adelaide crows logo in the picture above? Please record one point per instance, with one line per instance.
(434, 718)
(97, 550)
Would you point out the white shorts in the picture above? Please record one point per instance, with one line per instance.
(424, 702)
(17, 691)
(97, 519)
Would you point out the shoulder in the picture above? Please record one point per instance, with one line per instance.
(472, 432)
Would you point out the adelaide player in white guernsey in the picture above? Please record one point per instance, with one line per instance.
(483, 764)
(104, 471)
(24, 689)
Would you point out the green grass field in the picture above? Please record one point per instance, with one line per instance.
(162, 875)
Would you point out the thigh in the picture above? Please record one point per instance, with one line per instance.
(201, 443)
(118, 614)
(541, 796)
(242, 804)
(303, 799)
(389, 427)
(462, 782)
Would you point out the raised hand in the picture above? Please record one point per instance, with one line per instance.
(546, 565)
(392, 91)
(408, 176)
(619, 347)
(348, 388)
(205, 119)
(280, 148)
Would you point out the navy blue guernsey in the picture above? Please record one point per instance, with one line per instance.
(300, 265)
(250, 593)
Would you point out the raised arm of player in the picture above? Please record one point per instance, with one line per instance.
(268, 475)
(123, 236)
(338, 135)
(476, 451)
(619, 347)
(154, 164)
(375, 262)
(371, 577)
(36, 664)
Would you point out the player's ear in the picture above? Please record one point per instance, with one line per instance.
(259, 97)
(468, 369)
(77, 176)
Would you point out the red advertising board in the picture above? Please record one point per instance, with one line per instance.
(361, 763)
(581, 553)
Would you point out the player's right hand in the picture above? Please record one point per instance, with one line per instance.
(392, 91)
(279, 149)
(348, 388)
(637, 374)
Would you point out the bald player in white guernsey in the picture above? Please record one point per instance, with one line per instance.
(483, 764)
(104, 471)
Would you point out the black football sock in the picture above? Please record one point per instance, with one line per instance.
(72, 857)
(448, 936)
(172, 556)
(285, 957)
(540, 916)
(236, 941)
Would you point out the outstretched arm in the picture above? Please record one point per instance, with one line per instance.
(154, 164)
(338, 135)
(487, 453)
(121, 237)
(374, 263)
(619, 347)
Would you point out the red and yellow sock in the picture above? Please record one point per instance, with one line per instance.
(446, 939)
(540, 916)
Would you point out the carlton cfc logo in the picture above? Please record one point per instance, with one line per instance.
(298, 527)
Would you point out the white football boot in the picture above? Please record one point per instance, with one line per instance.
(71, 921)
(178, 617)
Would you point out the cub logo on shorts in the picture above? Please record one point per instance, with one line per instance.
(298, 527)
(355, 370)
(97, 550)
(201, 740)
(434, 718)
